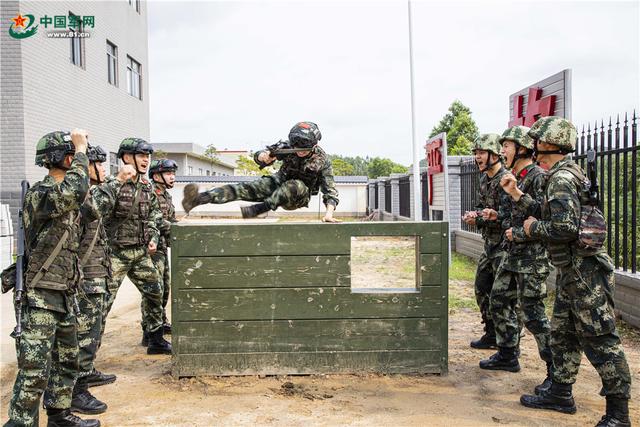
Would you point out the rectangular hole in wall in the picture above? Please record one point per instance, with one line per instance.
(384, 264)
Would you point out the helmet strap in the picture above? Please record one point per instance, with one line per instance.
(518, 156)
(490, 165)
(98, 180)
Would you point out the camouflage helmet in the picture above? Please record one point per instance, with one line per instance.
(555, 130)
(518, 134)
(53, 147)
(304, 135)
(162, 165)
(488, 142)
(96, 154)
(134, 146)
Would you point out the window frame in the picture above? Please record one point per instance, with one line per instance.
(112, 57)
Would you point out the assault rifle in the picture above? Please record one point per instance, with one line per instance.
(279, 150)
(20, 263)
(594, 198)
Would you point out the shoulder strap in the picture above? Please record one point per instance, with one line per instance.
(136, 200)
(86, 256)
(45, 267)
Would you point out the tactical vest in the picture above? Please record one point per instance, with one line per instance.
(128, 226)
(168, 212)
(562, 253)
(306, 169)
(490, 193)
(97, 263)
(63, 273)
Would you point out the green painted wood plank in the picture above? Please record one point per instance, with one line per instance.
(308, 335)
(263, 271)
(293, 239)
(390, 362)
(444, 289)
(304, 303)
(430, 266)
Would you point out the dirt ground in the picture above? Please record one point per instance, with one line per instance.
(146, 395)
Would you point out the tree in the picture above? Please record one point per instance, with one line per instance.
(383, 167)
(246, 166)
(211, 152)
(159, 154)
(342, 168)
(460, 128)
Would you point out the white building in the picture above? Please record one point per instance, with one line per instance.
(192, 161)
(99, 83)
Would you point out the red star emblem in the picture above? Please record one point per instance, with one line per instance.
(19, 21)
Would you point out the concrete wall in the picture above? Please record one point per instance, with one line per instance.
(627, 292)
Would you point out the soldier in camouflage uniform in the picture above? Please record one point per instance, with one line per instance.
(520, 280)
(486, 149)
(302, 174)
(133, 238)
(96, 269)
(583, 317)
(163, 174)
(47, 350)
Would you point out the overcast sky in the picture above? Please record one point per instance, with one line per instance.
(240, 74)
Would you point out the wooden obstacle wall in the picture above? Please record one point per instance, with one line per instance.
(276, 298)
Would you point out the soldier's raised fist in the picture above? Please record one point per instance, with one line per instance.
(126, 173)
(79, 138)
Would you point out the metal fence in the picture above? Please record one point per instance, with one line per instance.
(404, 187)
(616, 147)
(387, 196)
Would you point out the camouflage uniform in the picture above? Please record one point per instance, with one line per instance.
(96, 270)
(491, 196)
(161, 257)
(48, 348)
(132, 225)
(583, 316)
(290, 188)
(521, 277)
(583, 313)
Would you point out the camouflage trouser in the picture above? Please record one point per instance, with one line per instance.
(519, 298)
(92, 302)
(485, 274)
(161, 261)
(136, 264)
(290, 195)
(583, 320)
(47, 363)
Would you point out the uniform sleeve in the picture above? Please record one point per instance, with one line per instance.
(328, 185)
(155, 218)
(102, 200)
(70, 193)
(564, 205)
(531, 204)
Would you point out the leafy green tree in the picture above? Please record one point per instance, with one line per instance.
(460, 128)
(342, 168)
(383, 167)
(246, 166)
(159, 154)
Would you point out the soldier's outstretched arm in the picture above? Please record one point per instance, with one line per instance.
(102, 200)
(71, 192)
(328, 186)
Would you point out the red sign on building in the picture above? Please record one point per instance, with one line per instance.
(434, 163)
(536, 107)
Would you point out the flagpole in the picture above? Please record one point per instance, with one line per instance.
(417, 193)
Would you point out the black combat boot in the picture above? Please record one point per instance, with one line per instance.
(557, 398)
(166, 328)
(617, 413)
(86, 403)
(544, 386)
(145, 339)
(504, 360)
(253, 211)
(96, 378)
(192, 198)
(157, 344)
(64, 418)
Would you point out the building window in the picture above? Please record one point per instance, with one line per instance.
(113, 163)
(134, 78)
(112, 63)
(190, 170)
(200, 171)
(208, 172)
(77, 43)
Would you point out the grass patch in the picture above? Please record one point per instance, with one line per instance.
(462, 268)
(456, 302)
